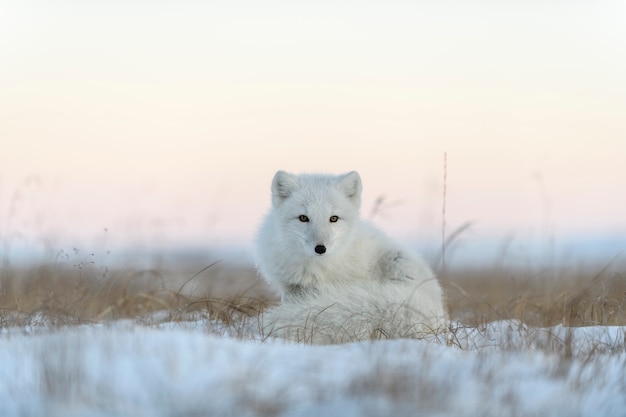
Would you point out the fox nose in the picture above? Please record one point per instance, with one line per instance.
(320, 249)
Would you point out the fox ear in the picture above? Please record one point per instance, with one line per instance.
(350, 185)
(283, 185)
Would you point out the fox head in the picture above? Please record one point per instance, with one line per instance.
(316, 212)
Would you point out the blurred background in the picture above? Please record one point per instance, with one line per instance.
(141, 127)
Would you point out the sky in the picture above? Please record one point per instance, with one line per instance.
(161, 123)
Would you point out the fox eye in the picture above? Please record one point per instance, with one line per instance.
(303, 218)
(333, 219)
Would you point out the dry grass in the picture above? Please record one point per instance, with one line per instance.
(545, 298)
(58, 294)
(69, 294)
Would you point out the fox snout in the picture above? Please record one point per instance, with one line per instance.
(320, 249)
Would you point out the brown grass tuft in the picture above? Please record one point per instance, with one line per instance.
(544, 299)
(57, 295)
(234, 297)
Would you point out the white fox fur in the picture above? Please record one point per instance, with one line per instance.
(341, 279)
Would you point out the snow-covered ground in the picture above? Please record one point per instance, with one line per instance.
(180, 369)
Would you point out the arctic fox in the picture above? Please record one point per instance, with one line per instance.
(341, 279)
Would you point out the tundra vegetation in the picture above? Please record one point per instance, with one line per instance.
(76, 290)
(76, 336)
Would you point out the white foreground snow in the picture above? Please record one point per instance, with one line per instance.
(129, 370)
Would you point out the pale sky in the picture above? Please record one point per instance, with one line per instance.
(163, 122)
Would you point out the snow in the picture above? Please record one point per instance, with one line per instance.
(178, 369)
